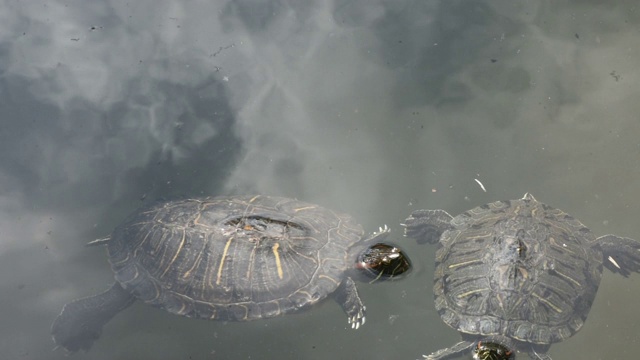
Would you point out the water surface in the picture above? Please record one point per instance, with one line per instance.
(374, 108)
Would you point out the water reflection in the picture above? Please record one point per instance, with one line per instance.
(373, 108)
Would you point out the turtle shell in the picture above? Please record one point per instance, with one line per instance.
(517, 268)
(233, 258)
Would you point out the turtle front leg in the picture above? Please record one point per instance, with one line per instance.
(454, 350)
(347, 296)
(427, 225)
(620, 255)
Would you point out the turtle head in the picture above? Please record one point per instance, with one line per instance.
(383, 261)
(492, 350)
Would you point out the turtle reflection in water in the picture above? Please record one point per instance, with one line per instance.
(516, 275)
(232, 258)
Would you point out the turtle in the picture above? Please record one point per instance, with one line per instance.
(516, 275)
(232, 258)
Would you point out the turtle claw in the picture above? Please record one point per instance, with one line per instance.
(382, 230)
(347, 296)
(380, 235)
(357, 320)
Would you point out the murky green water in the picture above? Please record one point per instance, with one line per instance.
(375, 108)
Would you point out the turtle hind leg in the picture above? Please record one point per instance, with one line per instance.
(347, 296)
(80, 322)
(427, 225)
(620, 255)
(451, 351)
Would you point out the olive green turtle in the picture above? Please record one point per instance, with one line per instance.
(232, 258)
(516, 275)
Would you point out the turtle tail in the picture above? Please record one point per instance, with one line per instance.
(80, 322)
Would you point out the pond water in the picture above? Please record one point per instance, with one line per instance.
(374, 108)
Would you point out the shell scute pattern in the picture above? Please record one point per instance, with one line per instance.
(205, 258)
(516, 276)
(484, 285)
